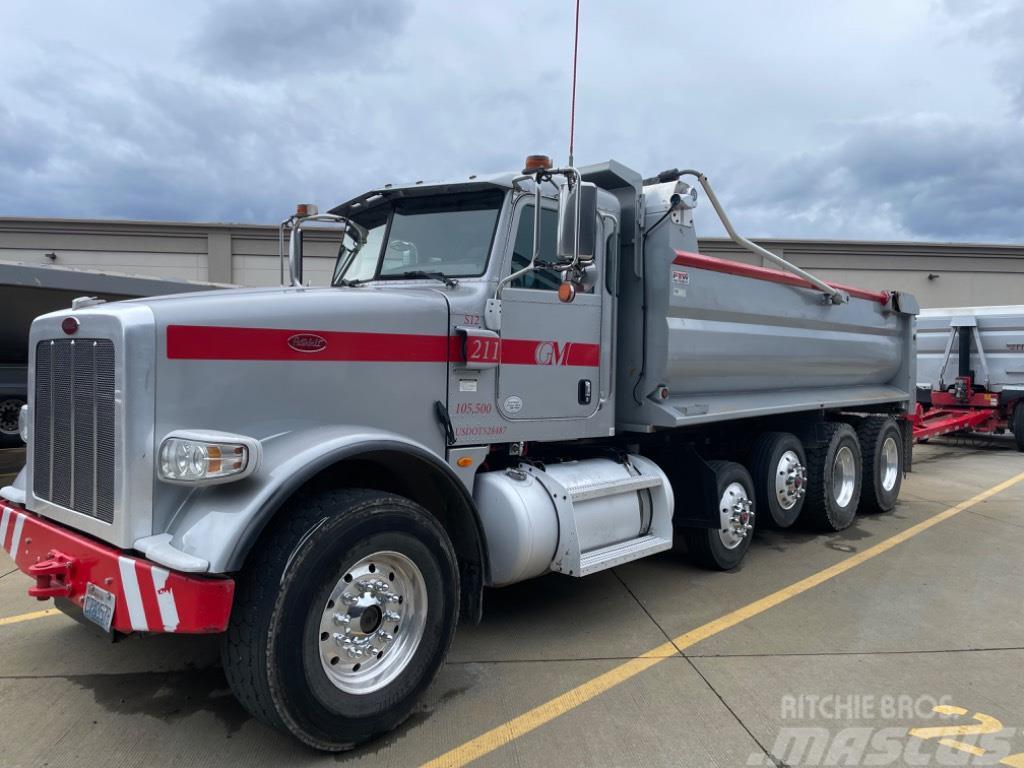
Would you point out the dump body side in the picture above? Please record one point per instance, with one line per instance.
(707, 340)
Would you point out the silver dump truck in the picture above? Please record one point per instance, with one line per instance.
(510, 376)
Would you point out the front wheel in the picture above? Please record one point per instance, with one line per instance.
(343, 617)
(723, 548)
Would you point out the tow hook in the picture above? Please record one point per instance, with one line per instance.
(52, 575)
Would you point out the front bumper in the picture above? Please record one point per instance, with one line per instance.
(148, 598)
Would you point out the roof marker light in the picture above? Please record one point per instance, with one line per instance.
(537, 163)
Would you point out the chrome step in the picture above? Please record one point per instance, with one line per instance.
(623, 552)
(599, 490)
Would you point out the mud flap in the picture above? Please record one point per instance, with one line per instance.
(695, 486)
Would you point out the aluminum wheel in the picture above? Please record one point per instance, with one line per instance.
(790, 480)
(373, 622)
(844, 477)
(889, 462)
(736, 512)
(9, 411)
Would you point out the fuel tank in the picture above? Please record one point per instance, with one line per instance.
(575, 517)
(997, 365)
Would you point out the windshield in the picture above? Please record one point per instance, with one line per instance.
(448, 235)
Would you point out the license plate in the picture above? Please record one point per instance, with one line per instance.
(99, 606)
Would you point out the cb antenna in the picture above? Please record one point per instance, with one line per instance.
(572, 109)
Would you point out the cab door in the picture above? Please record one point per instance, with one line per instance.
(551, 351)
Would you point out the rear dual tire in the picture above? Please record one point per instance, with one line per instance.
(343, 617)
(834, 478)
(724, 547)
(882, 448)
(778, 467)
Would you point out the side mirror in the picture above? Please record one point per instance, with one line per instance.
(585, 194)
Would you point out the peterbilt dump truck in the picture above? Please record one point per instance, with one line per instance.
(509, 376)
(970, 371)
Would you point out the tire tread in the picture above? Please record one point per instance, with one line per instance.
(868, 432)
(245, 655)
(816, 511)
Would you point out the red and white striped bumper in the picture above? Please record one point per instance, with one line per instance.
(148, 598)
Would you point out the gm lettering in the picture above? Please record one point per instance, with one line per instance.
(552, 353)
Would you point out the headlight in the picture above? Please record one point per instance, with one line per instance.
(23, 423)
(204, 458)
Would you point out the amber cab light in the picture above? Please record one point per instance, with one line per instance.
(536, 163)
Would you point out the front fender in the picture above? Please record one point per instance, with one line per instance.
(216, 526)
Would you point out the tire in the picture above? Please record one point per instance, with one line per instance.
(827, 507)
(337, 683)
(1018, 424)
(10, 407)
(713, 548)
(778, 467)
(882, 448)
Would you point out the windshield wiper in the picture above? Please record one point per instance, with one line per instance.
(350, 283)
(441, 276)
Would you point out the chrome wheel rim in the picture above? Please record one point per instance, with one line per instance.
(790, 480)
(736, 512)
(843, 476)
(373, 622)
(890, 463)
(9, 412)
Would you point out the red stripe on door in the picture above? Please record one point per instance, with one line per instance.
(527, 352)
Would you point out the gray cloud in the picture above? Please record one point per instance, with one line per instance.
(926, 177)
(865, 119)
(295, 38)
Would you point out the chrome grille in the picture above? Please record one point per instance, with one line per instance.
(73, 434)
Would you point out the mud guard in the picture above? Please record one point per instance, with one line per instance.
(694, 480)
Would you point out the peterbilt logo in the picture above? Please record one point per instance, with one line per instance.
(307, 342)
(551, 353)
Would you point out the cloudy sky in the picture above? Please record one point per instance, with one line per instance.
(867, 119)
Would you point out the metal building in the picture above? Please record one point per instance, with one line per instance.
(938, 274)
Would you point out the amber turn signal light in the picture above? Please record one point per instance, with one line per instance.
(566, 292)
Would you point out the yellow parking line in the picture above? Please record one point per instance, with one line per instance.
(519, 726)
(28, 616)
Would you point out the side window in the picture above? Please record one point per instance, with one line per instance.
(522, 250)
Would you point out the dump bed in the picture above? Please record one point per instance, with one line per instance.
(726, 340)
(1000, 360)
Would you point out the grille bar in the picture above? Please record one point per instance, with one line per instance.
(73, 436)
